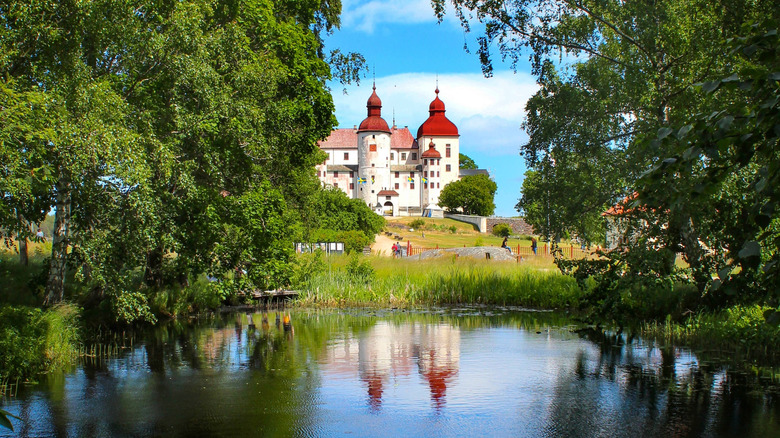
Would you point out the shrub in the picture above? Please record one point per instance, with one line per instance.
(479, 241)
(360, 271)
(417, 223)
(34, 341)
(453, 229)
(502, 230)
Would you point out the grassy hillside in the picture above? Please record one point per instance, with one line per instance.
(446, 233)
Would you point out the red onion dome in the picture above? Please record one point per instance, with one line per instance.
(431, 152)
(437, 124)
(374, 122)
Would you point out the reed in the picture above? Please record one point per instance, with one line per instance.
(404, 282)
(738, 329)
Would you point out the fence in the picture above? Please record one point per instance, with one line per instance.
(570, 252)
(326, 247)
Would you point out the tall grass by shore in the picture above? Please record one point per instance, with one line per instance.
(738, 329)
(403, 282)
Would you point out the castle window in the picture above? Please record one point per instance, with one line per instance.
(392, 156)
(425, 185)
(397, 186)
(346, 155)
(437, 185)
(372, 148)
(387, 198)
(335, 174)
(352, 186)
(448, 151)
(425, 162)
(403, 156)
(335, 184)
(351, 174)
(448, 168)
(411, 174)
(397, 174)
(411, 185)
(414, 156)
(318, 174)
(438, 173)
(425, 174)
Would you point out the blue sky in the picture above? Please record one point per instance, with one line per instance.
(407, 49)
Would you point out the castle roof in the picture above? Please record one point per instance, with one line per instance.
(431, 152)
(387, 193)
(374, 122)
(400, 138)
(437, 123)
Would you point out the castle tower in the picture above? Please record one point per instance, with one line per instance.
(374, 160)
(442, 138)
(431, 178)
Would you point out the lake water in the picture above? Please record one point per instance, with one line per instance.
(454, 372)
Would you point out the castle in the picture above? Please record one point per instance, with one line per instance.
(386, 167)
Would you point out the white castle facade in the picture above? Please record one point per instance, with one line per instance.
(387, 168)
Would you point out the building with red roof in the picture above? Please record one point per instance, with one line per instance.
(384, 166)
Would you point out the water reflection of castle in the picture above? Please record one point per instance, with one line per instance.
(387, 351)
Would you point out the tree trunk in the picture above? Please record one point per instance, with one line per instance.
(55, 287)
(24, 260)
(153, 271)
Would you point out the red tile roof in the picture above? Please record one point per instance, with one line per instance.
(387, 193)
(347, 139)
(437, 124)
(431, 152)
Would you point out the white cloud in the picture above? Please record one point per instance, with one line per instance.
(367, 15)
(487, 111)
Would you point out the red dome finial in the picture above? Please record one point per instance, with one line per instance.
(437, 123)
(374, 121)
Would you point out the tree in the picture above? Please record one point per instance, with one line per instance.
(153, 129)
(466, 162)
(472, 194)
(592, 123)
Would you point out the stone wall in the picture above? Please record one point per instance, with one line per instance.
(519, 226)
(479, 221)
(486, 224)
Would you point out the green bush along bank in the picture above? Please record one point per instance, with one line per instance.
(35, 341)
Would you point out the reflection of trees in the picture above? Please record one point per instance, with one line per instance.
(622, 385)
(224, 377)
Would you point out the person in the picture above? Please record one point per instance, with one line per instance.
(533, 245)
(40, 234)
(398, 248)
(504, 245)
(395, 249)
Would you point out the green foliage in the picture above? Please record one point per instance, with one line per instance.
(4, 421)
(479, 241)
(35, 341)
(307, 266)
(417, 224)
(655, 104)
(401, 282)
(130, 307)
(175, 142)
(466, 162)
(502, 230)
(360, 270)
(736, 328)
(718, 189)
(471, 194)
(453, 229)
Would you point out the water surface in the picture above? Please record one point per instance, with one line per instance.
(454, 372)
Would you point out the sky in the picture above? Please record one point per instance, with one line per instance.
(407, 50)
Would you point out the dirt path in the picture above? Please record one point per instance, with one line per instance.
(382, 245)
